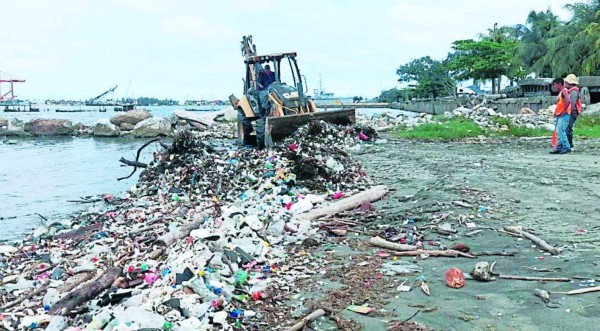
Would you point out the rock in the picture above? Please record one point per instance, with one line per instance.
(230, 114)
(104, 128)
(132, 117)
(49, 127)
(126, 126)
(491, 112)
(525, 111)
(3, 123)
(14, 128)
(152, 127)
(481, 272)
(548, 126)
(530, 126)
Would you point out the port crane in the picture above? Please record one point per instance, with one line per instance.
(10, 91)
(92, 101)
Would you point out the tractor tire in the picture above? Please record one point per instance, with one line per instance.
(244, 128)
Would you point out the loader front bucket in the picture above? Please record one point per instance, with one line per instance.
(278, 128)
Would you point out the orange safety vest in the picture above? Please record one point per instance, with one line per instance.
(578, 103)
(560, 104)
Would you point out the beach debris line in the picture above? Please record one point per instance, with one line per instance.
(202, 240)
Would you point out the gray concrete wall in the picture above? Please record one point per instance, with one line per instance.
(505, 106)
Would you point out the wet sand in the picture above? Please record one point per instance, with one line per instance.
(509, 182)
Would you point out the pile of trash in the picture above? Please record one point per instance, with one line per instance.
(197, 243)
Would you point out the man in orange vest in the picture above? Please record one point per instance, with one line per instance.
(573, 85)
(563, 115)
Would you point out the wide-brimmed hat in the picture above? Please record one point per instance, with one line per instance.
(571, 79)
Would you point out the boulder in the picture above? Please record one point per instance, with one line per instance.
(104, 128)
(525, 111)
(132, 117)
(3, 123)
(49, 127)
(491, 112)
(229, 114)
(13, 128)
(152, 127)
(126, 126)
(530, 126)
(548, 126)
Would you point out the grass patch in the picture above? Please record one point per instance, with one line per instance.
(455, 128)
(587, 126)
(516, 131)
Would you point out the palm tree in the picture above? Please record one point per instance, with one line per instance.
(574, 47)
(532, 47)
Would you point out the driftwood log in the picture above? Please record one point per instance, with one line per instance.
(303, 322)
(137, 157)
(373, 194)
(544, 295)
(133, 163)
(447, 253)
(515, 230)
(34, 293)
(380, 242)
(75, 280)
(539, 279)
(204, 119)
(169, 238)
(85, 292)
(584, 290)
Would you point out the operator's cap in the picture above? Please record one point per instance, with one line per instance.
(572, 79)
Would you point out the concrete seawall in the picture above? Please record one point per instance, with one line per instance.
(505, 106)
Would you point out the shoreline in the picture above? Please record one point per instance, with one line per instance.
(163, 220)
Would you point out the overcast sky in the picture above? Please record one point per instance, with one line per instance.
(190, 49)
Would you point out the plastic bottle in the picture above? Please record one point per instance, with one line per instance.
(51, 297)
(241, 277)
(57, 323)
(99, 321)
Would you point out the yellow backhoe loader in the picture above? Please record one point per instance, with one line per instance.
(281, 107)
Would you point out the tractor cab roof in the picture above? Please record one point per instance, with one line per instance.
(269, 57)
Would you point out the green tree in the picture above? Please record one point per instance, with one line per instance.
(394, 95)
(574, 47)
(481, 60)
(532, 46)
(431, 77)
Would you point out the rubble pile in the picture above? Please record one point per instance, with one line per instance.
(488, 118)
(198, 243)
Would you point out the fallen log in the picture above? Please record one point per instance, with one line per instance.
(497, 253)
(204, 119)
(85, 292)
(303, 322)
(137, 157)
(373, 194)
(133, 163)
(539, 279)
(380, 242)
(542, 294)
(515, 230)
(447, 253)
(79, 233)
(24, 297)
(169, 238)
(583, 290)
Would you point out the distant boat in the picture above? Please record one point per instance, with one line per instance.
(18, 109)
(125, 107)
